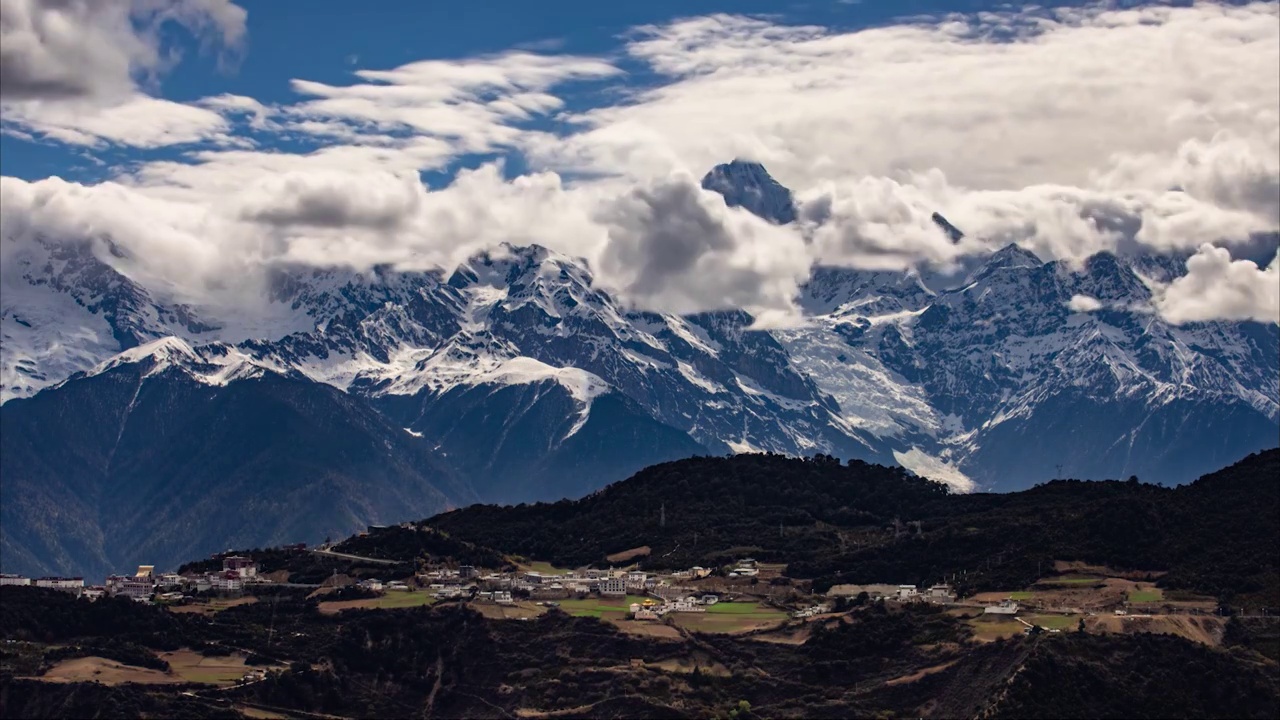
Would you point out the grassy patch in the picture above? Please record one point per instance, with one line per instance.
(741, 608)
(728, 622)
(600, 607)
(1021, 595)
(394, 600)
(986, 630)
(1054, 622)
(1146, 595)
(1075, 580)
(545, 568)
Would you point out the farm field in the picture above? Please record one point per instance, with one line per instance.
(389, 601)
(627, 555)
(1054, 622)
(107, 672)
(517, 611)
(213, 606)
(1145, 595)
(607, 609)
(988, 629)
(1072, 580)
(730, 618)
(995, 597)
(191, 666)
(545, 568)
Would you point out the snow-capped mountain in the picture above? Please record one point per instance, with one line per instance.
(522, 378)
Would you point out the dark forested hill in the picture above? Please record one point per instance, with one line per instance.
(836, 523)
(699, 510)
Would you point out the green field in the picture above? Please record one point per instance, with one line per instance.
(545, 568)
(742, 608)
(599, 607)
(1021, 595)
(730, 617)
(1053, 622)
(1147, 595)
(1077, 580)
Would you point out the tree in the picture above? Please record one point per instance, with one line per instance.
(1080, 627)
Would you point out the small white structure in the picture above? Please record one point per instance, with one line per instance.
(710, 599)
(502, 597)
(14, 580)
(907, 592)
(1006, 607)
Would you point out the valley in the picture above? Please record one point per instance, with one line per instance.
(475, 613)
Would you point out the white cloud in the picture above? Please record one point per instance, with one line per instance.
(1069, 133)
(70, 70)
(97, 49)
(1084, 304)
(1217, 287)
(139, 121)
(474, 103)
(1071, 92)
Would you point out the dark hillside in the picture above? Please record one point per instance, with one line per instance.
(835, 523)
(697, 511)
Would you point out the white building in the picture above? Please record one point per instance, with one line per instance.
(226, 582)
(1006, 607)
(613, 586)
(907, 592)
(14, 580)
(502, 597)
(71, 585)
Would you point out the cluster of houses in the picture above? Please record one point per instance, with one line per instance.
(466, 581)
(74, 585)
(650, 609)
(146, 583)
(811, 611)
(942, 593)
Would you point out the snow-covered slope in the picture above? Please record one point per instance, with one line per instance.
(991, 381)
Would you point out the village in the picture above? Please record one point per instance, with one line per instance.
(744, 596)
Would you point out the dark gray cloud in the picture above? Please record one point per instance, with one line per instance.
(676, 247)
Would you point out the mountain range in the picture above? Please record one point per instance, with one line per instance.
(138, 429)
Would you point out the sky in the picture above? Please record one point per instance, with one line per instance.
(197, 144)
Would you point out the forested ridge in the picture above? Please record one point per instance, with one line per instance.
(856, 522)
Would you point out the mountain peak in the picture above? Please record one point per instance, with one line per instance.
(1013, 256)
(952, 231)
(748, 185)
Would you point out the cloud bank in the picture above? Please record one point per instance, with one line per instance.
(1069, 132)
